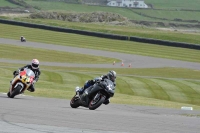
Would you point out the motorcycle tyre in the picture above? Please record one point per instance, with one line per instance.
(8, 94)
(93, 107)
(15, 92)
(74, 104)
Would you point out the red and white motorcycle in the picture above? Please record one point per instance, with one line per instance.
(21, 82)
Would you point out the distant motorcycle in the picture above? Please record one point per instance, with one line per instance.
(23, 39)
(21, 82)
(94, 96)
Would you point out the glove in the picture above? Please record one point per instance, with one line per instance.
(106, 102)
(15, 73)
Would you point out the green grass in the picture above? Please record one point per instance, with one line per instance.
(170, 15)
(16, 52)
(122, 30)
(175, 4)
(4, 3)
(38, 35)
(59, 82)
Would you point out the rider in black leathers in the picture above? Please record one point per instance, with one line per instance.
(35, 68)
(111, 75)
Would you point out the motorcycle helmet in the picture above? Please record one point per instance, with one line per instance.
(35, 64)
(112, 75)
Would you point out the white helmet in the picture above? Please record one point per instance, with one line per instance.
(112, 75)
(35, 63)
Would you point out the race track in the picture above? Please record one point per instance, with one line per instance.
(137, 61)
(26, 114)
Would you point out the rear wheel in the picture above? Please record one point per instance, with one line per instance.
(96, 102)
(15, 92)
(74, 103)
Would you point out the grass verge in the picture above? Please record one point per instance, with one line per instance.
(26, 53)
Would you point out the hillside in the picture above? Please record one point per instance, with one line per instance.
(171, 13)
(148, 17)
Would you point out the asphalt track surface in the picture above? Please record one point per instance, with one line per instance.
(26, 114)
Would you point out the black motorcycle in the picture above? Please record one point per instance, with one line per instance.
(94, 96)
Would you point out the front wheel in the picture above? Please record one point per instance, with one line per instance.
(15, 92)
(74, 103)
(96, 101)
(8, 94)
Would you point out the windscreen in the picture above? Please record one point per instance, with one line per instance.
(29, 72)
(110, 84)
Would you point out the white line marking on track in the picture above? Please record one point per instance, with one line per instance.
(18, 95)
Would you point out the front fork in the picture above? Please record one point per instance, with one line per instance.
(11, 86)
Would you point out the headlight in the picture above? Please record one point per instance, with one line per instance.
(109, 87)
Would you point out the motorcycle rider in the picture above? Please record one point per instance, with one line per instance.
(111, 75)
(35, 68)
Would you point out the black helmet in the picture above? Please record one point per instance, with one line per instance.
(112, 75)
